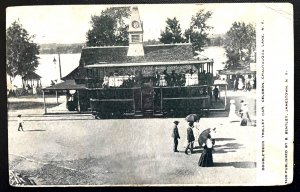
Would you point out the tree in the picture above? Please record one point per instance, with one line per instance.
(109, 28)
(21, 51)
(172, 33)
(198, 31)
(240, 43)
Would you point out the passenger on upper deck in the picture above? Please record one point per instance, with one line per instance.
(105, 81)
(173, 78)
(156, 78)
(162, 80)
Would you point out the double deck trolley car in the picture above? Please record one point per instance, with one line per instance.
(138, 79)
(158, 89)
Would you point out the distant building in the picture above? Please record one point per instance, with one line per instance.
(248, 71)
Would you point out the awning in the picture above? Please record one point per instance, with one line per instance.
(66, 85)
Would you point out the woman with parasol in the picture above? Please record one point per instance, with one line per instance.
(210, 132)
(206, 158)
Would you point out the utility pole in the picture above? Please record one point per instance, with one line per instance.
(59, 66)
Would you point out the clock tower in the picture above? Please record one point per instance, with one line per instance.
(135, 33)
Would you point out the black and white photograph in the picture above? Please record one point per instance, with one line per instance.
(149, 94)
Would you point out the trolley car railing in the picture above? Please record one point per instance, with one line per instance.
(150, 100)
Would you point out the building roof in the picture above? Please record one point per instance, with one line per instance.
(66, 85)
(32, 75)
(73, 74)
(235, 71)
(153, 53)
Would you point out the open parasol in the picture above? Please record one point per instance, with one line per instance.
(203, 136)
(192, 118)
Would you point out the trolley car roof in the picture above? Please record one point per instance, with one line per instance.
(152, 53)
(102, 65)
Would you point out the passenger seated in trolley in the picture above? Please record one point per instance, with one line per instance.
(116, 80)
(162, 79)
(173, 78)
(105, 81)
(191, 78)
(156, 78)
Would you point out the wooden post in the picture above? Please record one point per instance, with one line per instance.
(45, 108)
(133, 100)
(59, 66)
(78, 107)
(161, 100)
(141, 99)
(56, 97)
(207, 67)
(225, 95)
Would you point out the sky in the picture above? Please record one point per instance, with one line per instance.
(70, 23)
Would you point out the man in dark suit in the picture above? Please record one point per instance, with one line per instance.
(175, 135)
(190, 138)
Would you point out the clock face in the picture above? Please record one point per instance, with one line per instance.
(135, 24)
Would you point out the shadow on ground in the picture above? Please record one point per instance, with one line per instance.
(246, 164)
(224, 139)
(226, 148)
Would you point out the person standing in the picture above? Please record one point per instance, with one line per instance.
(196, 130)
(175, 135)
(232, 112)
(236, 84)
(245, 117)
(20, 123)
(34, 90)
(216, 93)
(190, 138)
(206, 158)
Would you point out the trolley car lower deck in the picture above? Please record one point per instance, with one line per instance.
(149, 101)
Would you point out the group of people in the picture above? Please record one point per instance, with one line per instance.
(205, 141)
(188, 78)
(246, 84)
(166, 79)
(243, 117)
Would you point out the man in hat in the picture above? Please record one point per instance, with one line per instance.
(175, 135)
(20, 123)
(190, 138)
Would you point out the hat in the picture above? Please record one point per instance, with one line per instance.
(19, 115)
(176, 122)
(232, 101)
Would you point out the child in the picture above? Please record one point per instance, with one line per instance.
(20, 123)
(175, 135)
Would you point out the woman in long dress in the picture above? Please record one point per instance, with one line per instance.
(232, 112)
(245, 117)
(206, 158)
